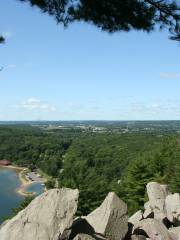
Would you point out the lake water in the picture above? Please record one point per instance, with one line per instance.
(9, 199)
(36, 188)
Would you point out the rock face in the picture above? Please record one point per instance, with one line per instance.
(160, 218)
(138, 237)
(154, 229)
(148, 210)
(136, 218)
(83, 236)
(51, 217)
(110, 219)
(157, 194)
(79, 226)
(175, 233)
(45, 218)
(173, 208)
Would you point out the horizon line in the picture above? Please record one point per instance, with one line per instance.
(92, 120)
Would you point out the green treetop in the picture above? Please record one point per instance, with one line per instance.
(116, 15)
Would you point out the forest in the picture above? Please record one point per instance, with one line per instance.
(96, 163)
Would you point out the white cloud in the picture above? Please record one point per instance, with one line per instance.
(12, 66)
(34, 104)
(170, 75)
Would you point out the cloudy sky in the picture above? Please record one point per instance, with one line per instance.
(52, 73)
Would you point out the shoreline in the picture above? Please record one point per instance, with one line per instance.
(14, 167)
(24, 181)
(24, 184)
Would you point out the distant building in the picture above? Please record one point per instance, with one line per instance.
(5, 162)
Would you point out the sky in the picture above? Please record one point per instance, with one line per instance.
(82, 73)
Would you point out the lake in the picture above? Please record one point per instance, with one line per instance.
(36, 188)
(9, 182)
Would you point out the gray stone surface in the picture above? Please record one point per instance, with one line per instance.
(165, 188)
(136, 218)
(45, 218)
(134, 221)
(154, 229)
(80, 225)
(138, 237)
(83, 236)
(174, 233)
(156, 191)
(110, 219)
(172, 203)
(157, 194)
(148, 210)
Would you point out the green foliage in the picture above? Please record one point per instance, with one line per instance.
(132, 188)
(96, 163)
(116, 15)
(30, 147)
(50, 183)
(2, 40)
(162, 165)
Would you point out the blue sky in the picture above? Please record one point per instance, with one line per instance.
(52, 73)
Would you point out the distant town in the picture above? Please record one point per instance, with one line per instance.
(103, 126)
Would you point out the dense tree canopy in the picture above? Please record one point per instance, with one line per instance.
(161, 165)
(96, 163)
(116, 15)
(31, 148)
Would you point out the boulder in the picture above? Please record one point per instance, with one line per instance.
(138, 237)
(45, 218)
(148, 210)
(134, 221)
(80, 225)
(153, 229)
(110, 219)
(136, 218)
(4, 223)
(172, 204)
(156, 191)
(157, 194)
(83, 236)
(174, 233)
(165, 188)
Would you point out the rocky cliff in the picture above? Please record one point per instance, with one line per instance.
(51, 217)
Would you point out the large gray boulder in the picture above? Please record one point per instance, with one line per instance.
(156, 191)
(157, 194)
(110, 219)
(138, 237)
(79, 226)
(148, 210)
(165, 188)
(83, 236)
(134, 221)
(173, 208)
(154, 229)
(136, 218)
(45, 218)
(174, 233)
